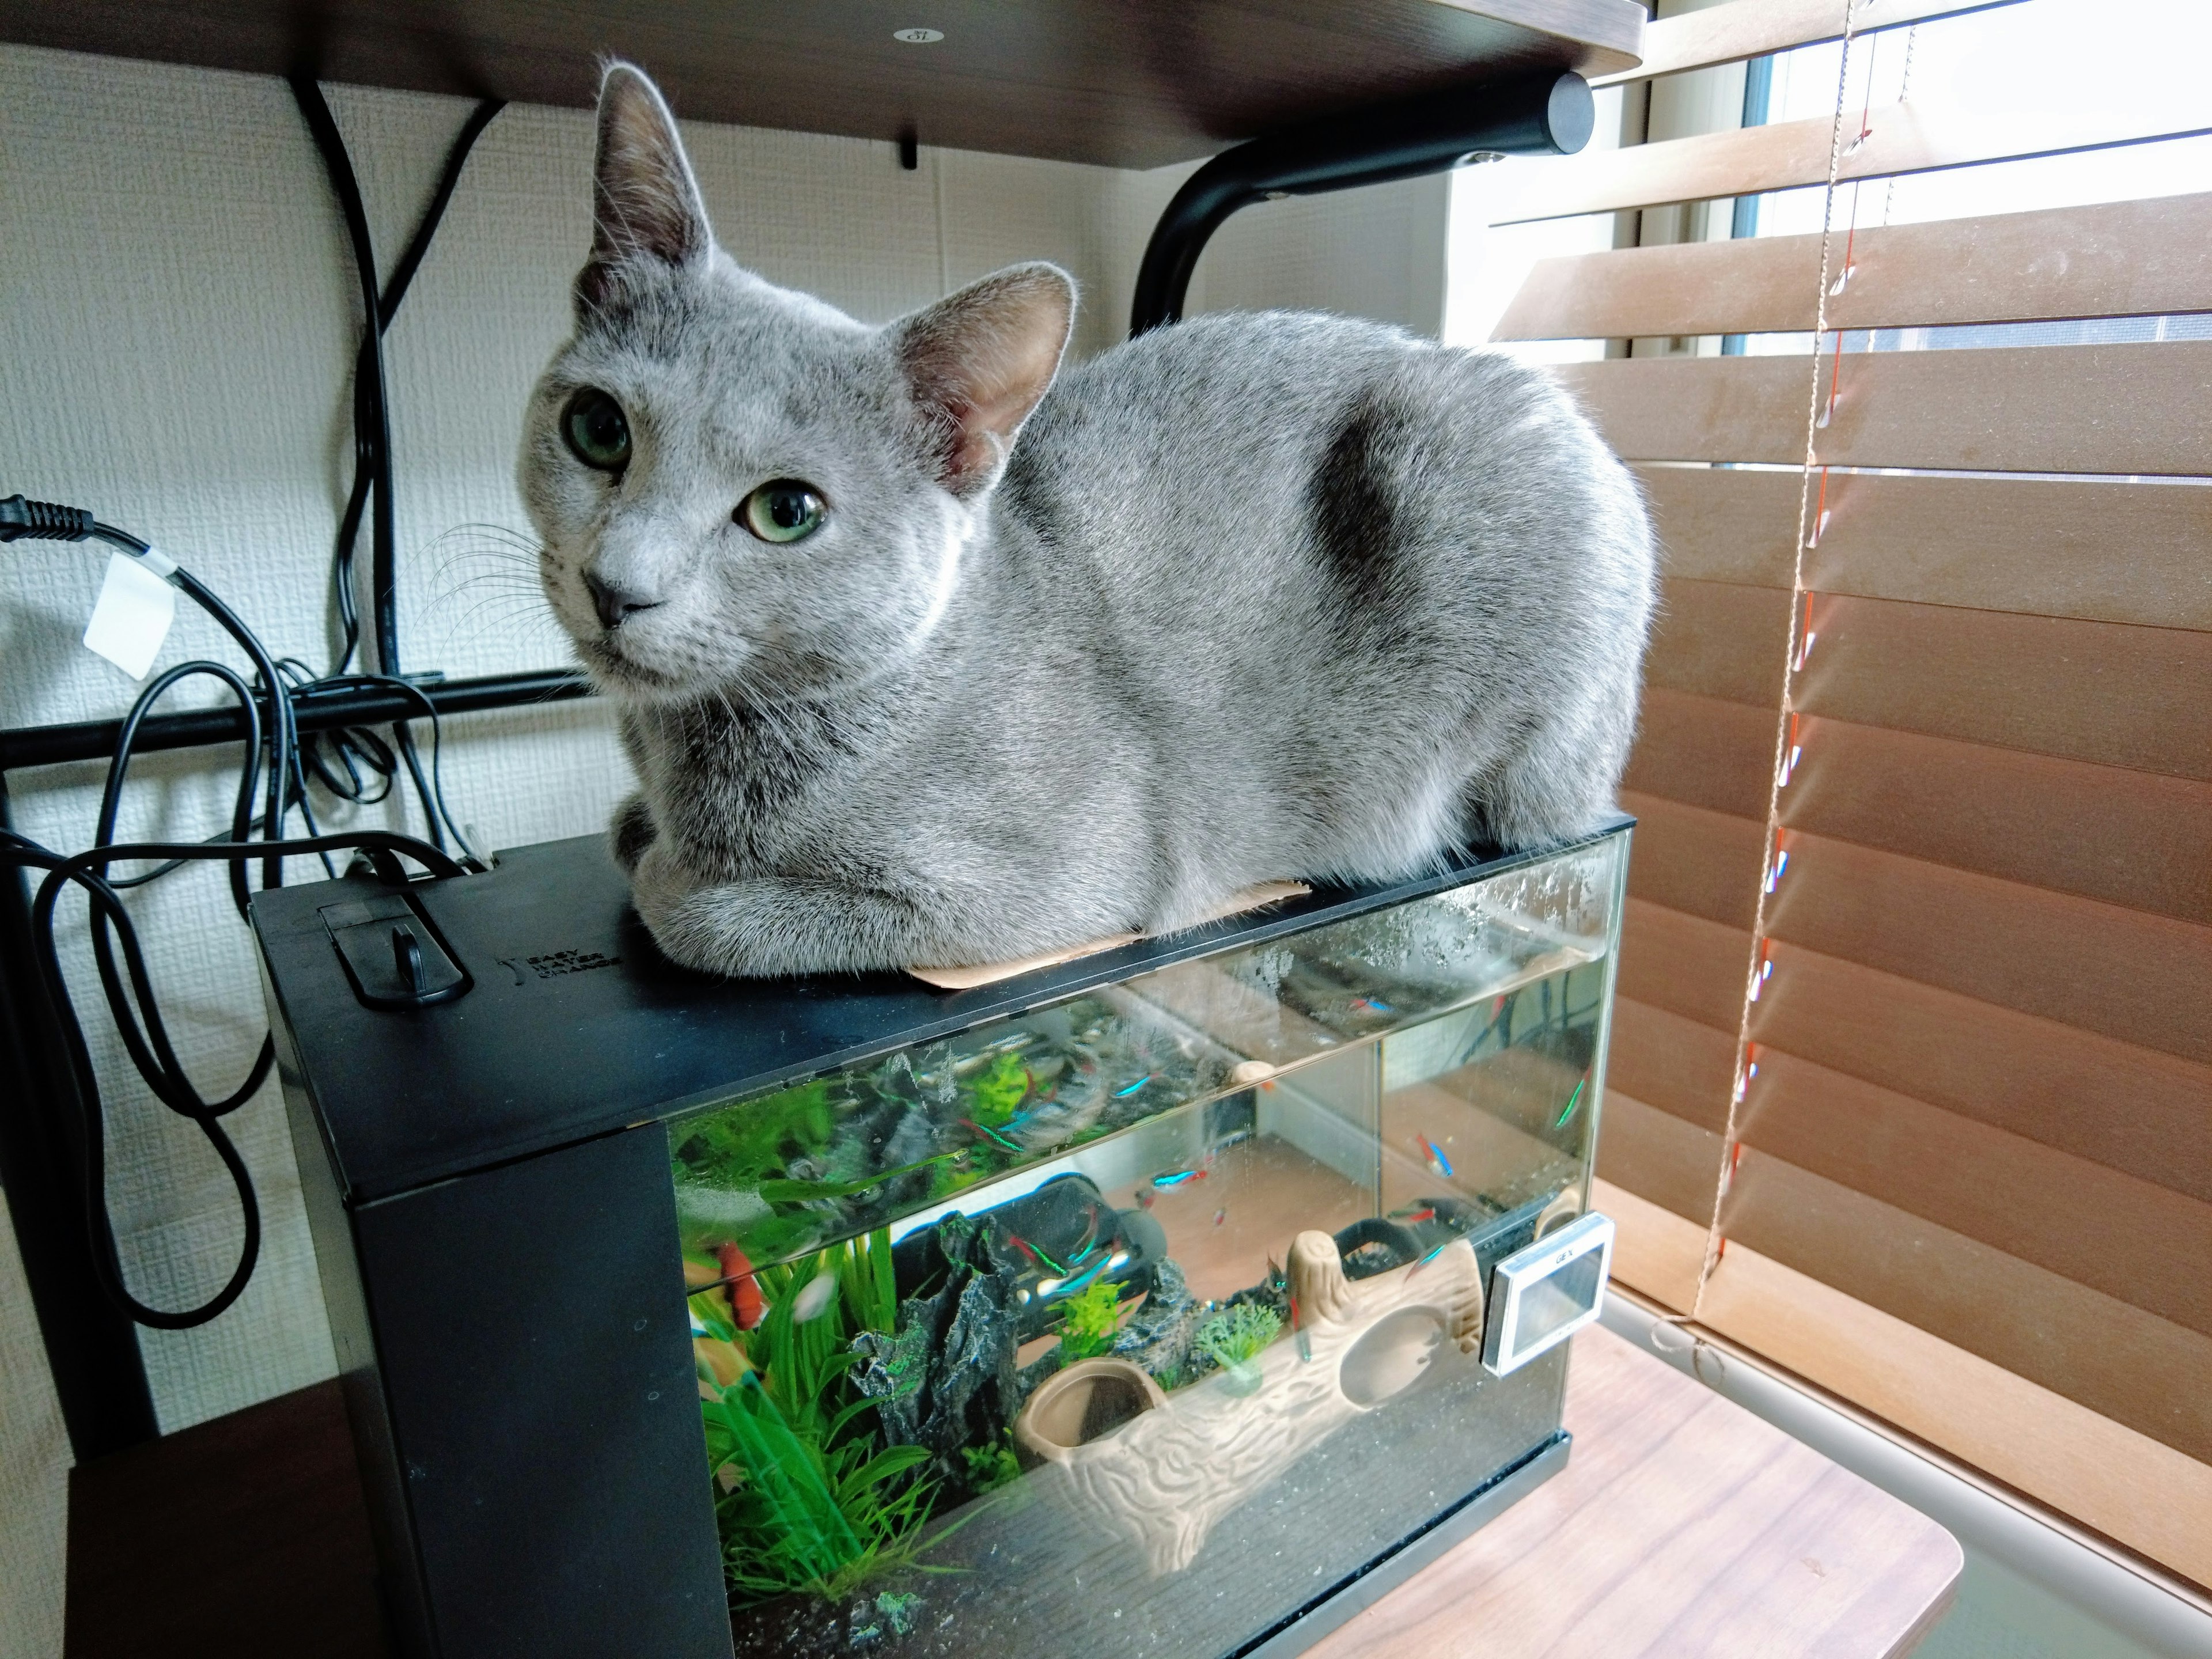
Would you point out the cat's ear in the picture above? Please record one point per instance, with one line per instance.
(645, 203)
(979, 360)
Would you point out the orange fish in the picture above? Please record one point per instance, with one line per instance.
(740, 1289)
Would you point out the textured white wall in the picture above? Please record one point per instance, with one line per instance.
(1378, 252)
(176, 327)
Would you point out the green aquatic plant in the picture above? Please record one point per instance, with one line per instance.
(741, 1148)
(806, 1497)
(743, 1144)
(992, 1467)
(1236, 1337)
(747, 1151)
(952, 1176)
(1088, 1321)
(997, 1092)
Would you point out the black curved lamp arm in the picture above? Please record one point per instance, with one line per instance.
(1546, 114)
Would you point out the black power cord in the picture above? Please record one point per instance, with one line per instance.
(369, 367)
(372, 401)
(343, 761)
(272, 744)
(372, 423)
(283, 735)
(148, 1044)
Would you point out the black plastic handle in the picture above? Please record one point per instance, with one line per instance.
(407, 960)
(1547, 114)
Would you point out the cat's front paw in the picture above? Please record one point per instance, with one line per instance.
(680, 911)
(771, 924)
(631, 834)
(740, 928)
(706, 932)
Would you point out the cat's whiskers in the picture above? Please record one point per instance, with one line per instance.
(494, 608)
(484, 549)
(491, 571)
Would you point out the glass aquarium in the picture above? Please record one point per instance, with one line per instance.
(1148, 1317)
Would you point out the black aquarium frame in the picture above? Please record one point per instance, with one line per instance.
(487, 1182)
(92, 1348)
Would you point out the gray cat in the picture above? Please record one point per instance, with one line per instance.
(925, 656)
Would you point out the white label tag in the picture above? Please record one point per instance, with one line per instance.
(132, 617)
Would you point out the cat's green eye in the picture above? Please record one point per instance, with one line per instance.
(782, 510)
(596, 430)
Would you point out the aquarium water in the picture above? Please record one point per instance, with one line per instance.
(999, 1341)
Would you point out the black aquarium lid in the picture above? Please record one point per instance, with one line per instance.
(573, 1024)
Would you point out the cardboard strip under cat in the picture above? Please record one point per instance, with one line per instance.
(990, 973)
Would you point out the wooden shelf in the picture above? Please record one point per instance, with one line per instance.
(1130, 83)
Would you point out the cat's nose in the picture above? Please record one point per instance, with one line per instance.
(614, 604)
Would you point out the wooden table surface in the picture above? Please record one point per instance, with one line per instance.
(1682, 1526)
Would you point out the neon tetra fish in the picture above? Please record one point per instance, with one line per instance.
(1433, 1156)
(1034, 1254)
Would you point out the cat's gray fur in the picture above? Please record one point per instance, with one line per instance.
(1254, 597)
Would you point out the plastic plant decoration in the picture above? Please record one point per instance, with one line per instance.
(1087, 1322)
(999, 1091)
(739, 1151)
(994, 1466)
(786, 1149)
(1234, 1339)
(805, 1497)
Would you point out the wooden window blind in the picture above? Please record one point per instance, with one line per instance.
(1911, 1085)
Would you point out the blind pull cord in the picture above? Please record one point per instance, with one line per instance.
(1775, 860)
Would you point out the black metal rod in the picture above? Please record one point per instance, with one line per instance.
(1551, 113)
(314, 711)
